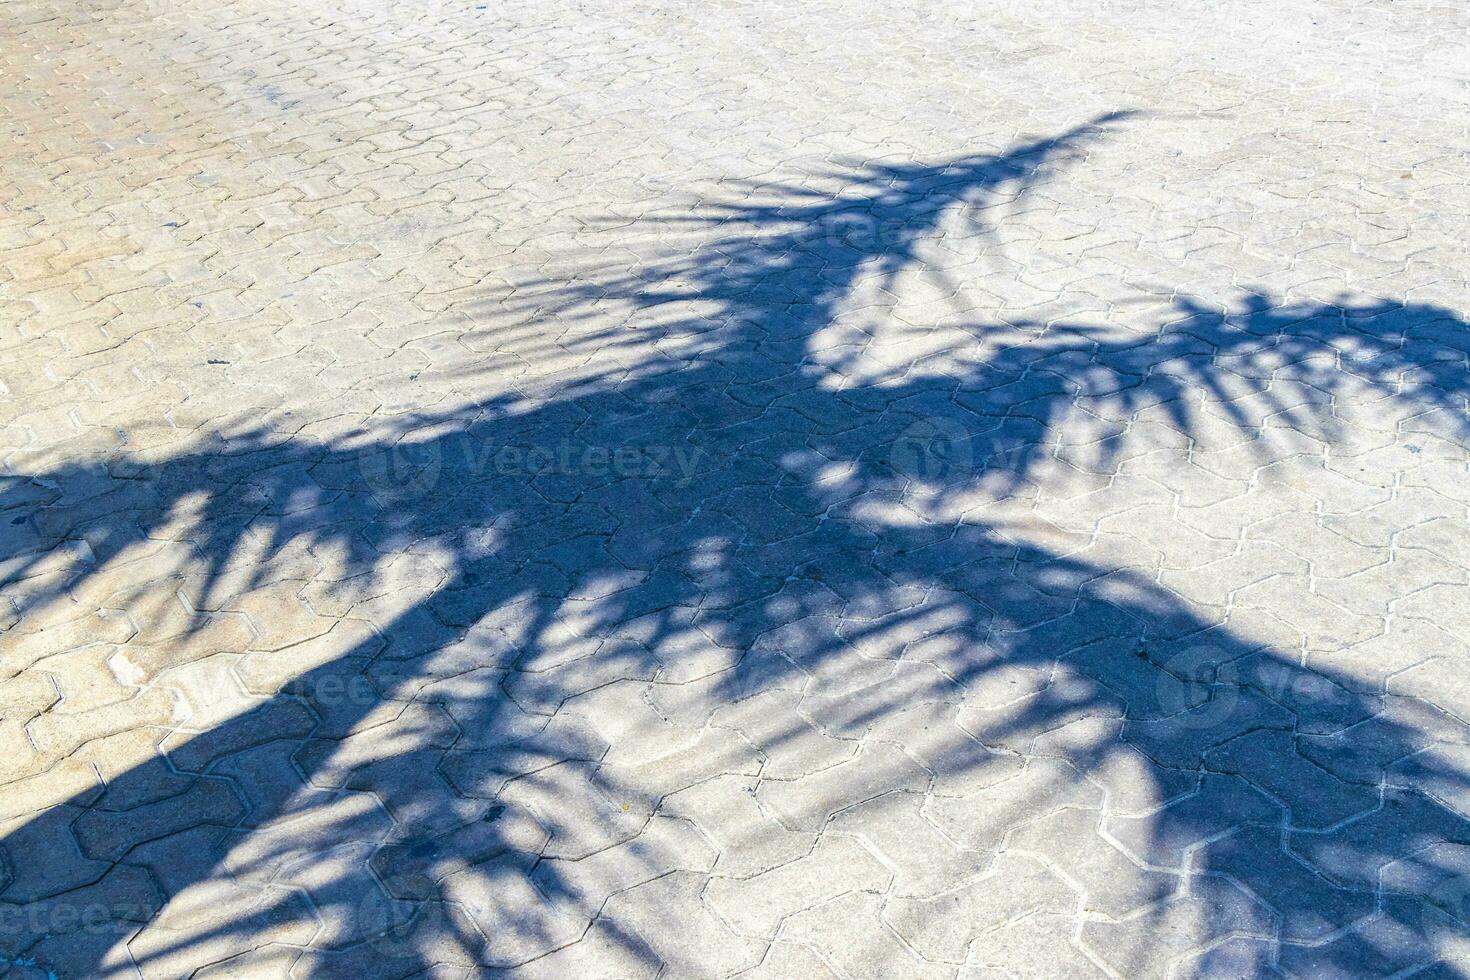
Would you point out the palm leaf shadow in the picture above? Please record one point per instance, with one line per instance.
(775, 563)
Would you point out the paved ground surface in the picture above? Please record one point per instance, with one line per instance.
(610, 489)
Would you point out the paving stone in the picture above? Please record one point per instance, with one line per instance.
(1434, 773)
(749, 839)
(274, 915)
(518, 922)
(1068, 841)
(350, 904)
(1354, 854)
(261, 852)
(272, 960)
(942, 927)
(1402, 937)
(603, 951)
(1438, 604)
(1035, 945)
(930, 734)
(1433, 682)
(411, 869)
(790, 960)
(92, 917)
(1320, 704)
(893, 827)
(110, 834)
(62, 733)
(869, 949)
(979, 821)
(1368, 665)
(72, 778)
(1234, 957)
(807, 803)
(703, 944)
(1363, 753)
(755, 906)
(600, 817)
(664, 846)
(1133, 782)
(1310, 907)
(1146, 944)
(1313, 797)
(1182, 739)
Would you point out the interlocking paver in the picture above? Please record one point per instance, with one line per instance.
(614, 490)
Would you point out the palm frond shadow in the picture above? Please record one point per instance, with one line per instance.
(750, 560)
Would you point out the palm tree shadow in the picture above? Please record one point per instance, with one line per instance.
(744, 563)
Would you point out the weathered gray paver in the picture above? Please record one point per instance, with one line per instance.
(697, 489)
